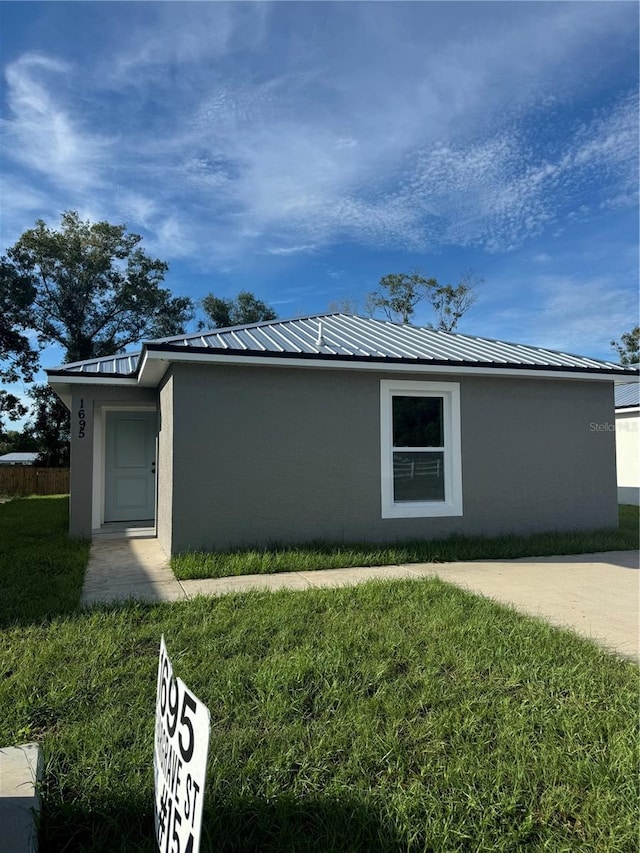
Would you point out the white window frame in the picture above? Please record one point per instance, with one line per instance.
(449, 392)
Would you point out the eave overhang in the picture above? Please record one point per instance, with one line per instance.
(156, 358)
(167, 354)
(63, 382)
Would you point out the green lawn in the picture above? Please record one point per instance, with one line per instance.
(392, 716)
(340, 555)
(41, 568)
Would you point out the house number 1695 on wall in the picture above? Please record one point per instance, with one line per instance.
(82, 420)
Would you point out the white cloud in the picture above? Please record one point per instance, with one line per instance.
(233, 140)
(580, 315)
(40, 133)
(21, 203)
(170, 35)
(498, 192)
(337, 274)
(174, 236)
(289, 250)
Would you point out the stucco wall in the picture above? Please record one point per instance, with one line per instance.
(628, 448)
(90, 399)
(628, 456)
(165, 466)
(264, 455)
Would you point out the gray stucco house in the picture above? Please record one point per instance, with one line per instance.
(336, 427)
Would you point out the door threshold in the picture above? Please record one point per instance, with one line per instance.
(125, 530)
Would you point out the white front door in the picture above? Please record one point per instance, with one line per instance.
(130, 461)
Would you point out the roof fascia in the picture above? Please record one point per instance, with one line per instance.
(89, 379)
(154, 363)
(624, 410)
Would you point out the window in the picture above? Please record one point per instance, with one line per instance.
(420, 453)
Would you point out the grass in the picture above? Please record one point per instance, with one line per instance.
(391, 716)
(41, 569)
(339, 555)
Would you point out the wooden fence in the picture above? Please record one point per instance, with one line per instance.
(29, 480)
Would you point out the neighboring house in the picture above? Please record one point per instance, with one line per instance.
(337, 427)
(627, 399)
(18, 458)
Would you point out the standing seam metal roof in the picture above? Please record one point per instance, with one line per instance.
(627, 395)
(352, 337)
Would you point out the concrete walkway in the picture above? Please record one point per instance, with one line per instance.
(20, 772)
(596, 595)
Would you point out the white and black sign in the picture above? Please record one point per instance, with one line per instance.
(180, 752)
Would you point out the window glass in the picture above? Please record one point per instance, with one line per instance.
(417, 422)
(418, 476)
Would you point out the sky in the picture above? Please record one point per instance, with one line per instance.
(304, 150)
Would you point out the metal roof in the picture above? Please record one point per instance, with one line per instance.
(627, 395)
(347, 337)
(19, 457)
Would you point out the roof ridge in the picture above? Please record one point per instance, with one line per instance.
(259, 323)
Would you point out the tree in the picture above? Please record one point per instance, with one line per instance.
(90, 288)
(245, 308)
(11, 407)
(451, 303)
(94, 290)
(628, 347)
(401, 292)
(13, 441)
(18, 359)
(344, 305)
(51, 427)
(369, 305)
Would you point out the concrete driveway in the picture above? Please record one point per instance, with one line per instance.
(596, 595)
